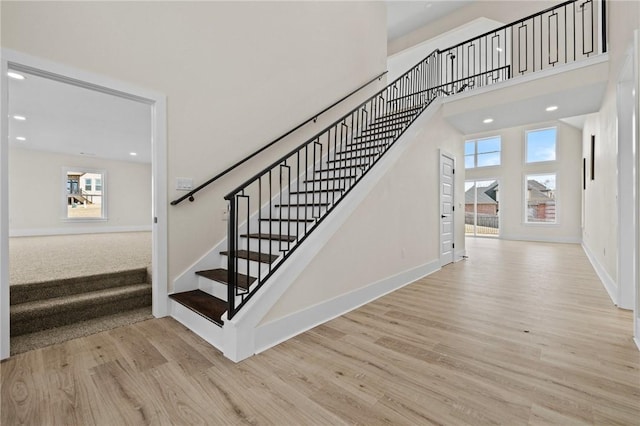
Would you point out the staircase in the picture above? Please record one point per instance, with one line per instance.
(44, 308)
(273, 213)
(295, 214)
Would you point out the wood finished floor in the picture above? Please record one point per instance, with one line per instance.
(519, 333)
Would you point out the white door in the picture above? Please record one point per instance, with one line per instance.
(447, 246)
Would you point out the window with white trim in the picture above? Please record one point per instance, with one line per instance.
(540, 198)
(483, 152)
(540, 145)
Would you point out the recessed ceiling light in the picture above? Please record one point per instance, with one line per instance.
(552, 108)
(88, 154)
(15, 75)
(19, 117)
(499, 49)
(21, 138)
(487, 120)
(133, 154)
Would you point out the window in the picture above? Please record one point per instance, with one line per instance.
(482, 207)
(540, 198)
(482, 152)
(541, 145)
(84, 194)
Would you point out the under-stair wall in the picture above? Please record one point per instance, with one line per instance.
(388, 239)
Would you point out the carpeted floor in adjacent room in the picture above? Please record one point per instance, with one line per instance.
(50, 258)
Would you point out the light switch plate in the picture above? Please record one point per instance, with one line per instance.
(184, 184)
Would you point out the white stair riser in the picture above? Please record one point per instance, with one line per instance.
(376, 127)
(300, 212)
(286, 228)
(253, 269)
(328, 184)
(214, 288)
(318, 197)
(262, 245)
(347, 166)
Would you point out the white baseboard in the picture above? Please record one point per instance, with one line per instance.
(37, 232)
(539, 239)
(459, 255)
(608, 282)
(282, 329)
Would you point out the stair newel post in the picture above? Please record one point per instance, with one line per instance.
(231, 258)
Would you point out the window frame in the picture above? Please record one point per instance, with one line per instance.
(526, 146)
(64, 195)
(475, 152)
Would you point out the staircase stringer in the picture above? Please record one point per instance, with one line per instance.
(242, 333)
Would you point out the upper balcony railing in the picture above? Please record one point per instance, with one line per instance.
(561, 34)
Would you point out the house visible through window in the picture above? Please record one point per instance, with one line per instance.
(482, 207)
(541, 145)
(84, 195)
(482, 152)
(540, 198)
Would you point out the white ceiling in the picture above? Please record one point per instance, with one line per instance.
(406, 16)
(575, 91)
(64, 118)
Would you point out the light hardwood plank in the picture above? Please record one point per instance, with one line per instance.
(520, 333)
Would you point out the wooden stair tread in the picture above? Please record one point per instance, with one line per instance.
(339, 168)
(273, 237)
(330, 178)
(363, 145)
(222, 276)
(285, 219)
(379, 130)
(317, 191)
(319, 204)
(383, 125)
(404, 110)
(337, 160)
(394, 120)
(253, 255)
(203, 304)
(390, 133)
(371, 139)
(352, 148)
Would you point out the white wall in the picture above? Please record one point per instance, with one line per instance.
(236, 75)
(400, 62)
(511, 174)
(395, 229)
(36, 197)
(600, 233)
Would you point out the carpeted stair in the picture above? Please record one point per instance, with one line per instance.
(68, 308)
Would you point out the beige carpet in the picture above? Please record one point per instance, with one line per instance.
(42, 259)
(36, 259)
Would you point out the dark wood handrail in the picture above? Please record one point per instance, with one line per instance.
(190, 194)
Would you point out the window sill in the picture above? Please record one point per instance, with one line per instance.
(84, 219)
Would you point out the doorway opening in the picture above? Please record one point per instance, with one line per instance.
(76, 143)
